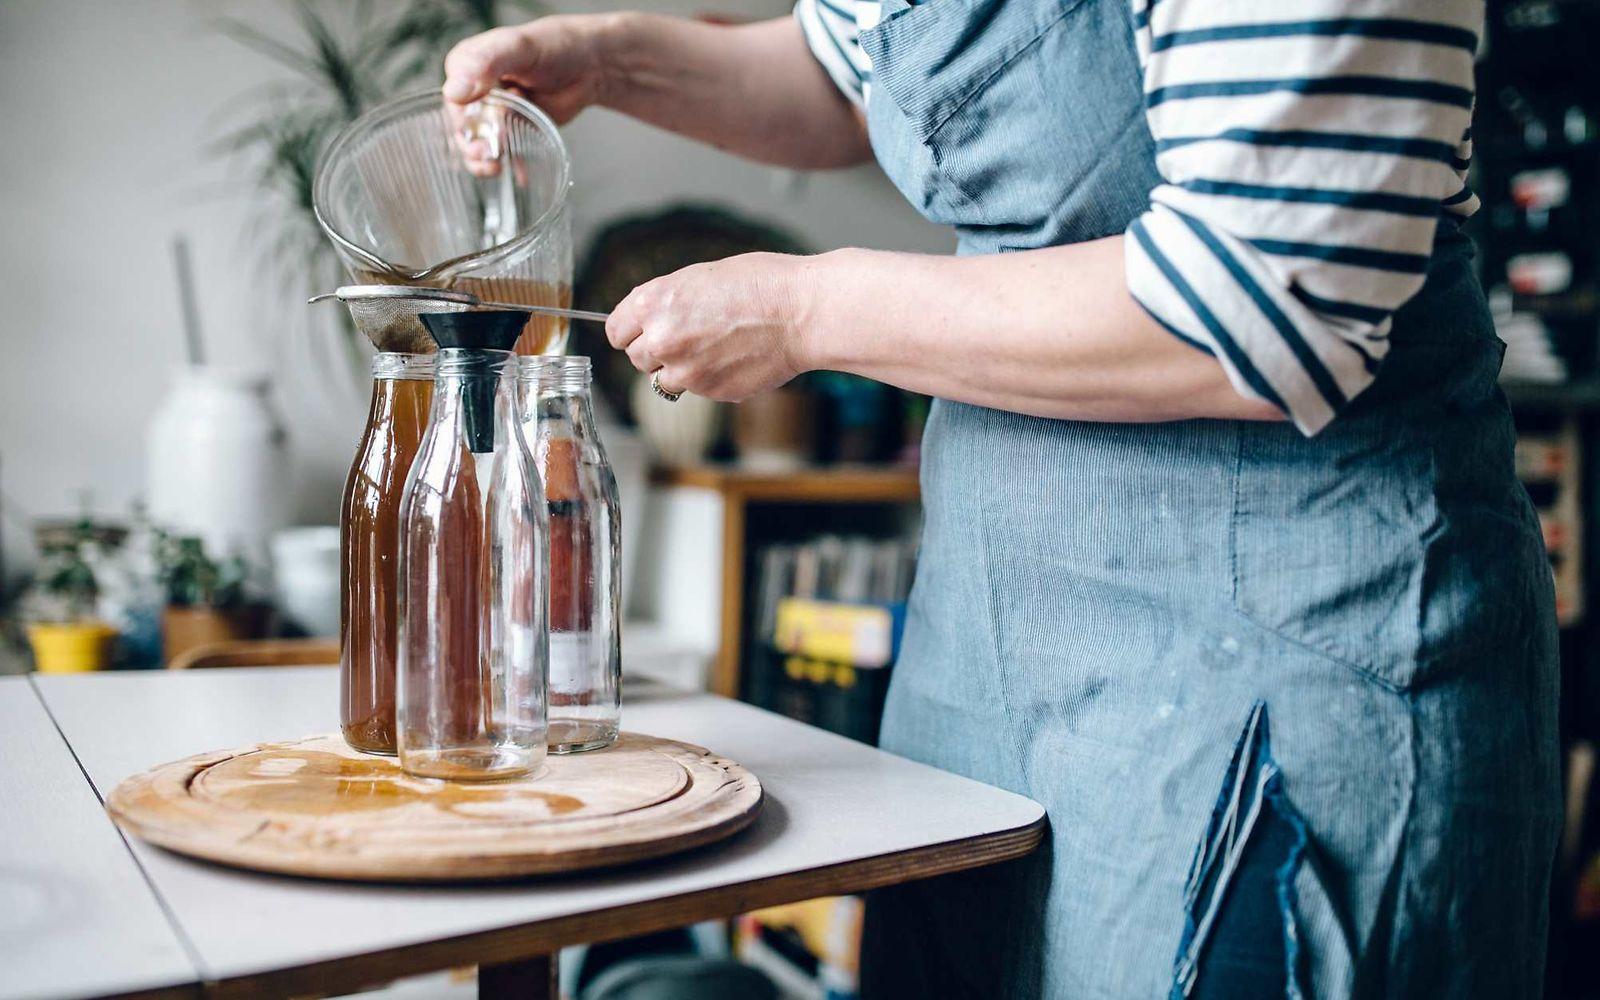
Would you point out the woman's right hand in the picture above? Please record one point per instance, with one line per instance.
(558, 62)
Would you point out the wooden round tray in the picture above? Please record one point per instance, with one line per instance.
(316, 807)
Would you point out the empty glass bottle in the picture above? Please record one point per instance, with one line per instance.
(473, 569)
(369, 544)
(585, 532)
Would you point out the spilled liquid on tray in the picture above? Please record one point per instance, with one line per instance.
(316, 782)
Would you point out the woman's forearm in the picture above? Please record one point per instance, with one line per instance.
(1051, 333)
(750, 89)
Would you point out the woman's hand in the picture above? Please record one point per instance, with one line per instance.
(725, 330)
(557, 62)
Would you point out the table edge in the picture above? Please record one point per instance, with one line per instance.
(335, 976)
(186, 991)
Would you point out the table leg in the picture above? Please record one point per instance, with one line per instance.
(530, 979)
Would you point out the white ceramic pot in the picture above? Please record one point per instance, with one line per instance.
(679, 433)
(218, 463)
(305, 578)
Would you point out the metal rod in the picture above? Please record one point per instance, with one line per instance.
(473, 302)
(595, 317)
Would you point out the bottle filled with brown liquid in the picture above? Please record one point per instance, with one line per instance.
(369, 537)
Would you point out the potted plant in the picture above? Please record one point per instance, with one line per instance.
(63, 629)
(206, 600)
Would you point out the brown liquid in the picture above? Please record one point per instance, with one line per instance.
(571, 544)
(370, 520)
(447, 560)
(462, 609)
(325, 783)
(540, 335)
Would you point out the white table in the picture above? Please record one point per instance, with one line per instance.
(838, 817)
(77, 917)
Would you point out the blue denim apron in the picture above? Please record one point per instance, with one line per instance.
(1246, 672)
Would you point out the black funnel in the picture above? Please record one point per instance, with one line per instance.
(487, 330)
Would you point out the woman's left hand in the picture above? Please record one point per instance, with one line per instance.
(724, 330)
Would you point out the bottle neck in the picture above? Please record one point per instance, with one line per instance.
(467, 383)
(401, 387)
(462, 363)
(399, 399)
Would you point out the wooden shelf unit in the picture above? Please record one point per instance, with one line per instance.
(1579, 395)
(739, 489)
(834, 484)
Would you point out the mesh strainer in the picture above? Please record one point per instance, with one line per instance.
(387, 314)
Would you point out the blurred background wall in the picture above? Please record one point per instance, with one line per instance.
(111, 109)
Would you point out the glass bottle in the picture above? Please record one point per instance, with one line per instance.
(369, 548)
(585, 532)
(474, 582)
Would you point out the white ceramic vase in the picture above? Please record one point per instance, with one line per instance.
(217, 462)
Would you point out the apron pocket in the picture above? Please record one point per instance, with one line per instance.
(1329, 540)
(1376, 549)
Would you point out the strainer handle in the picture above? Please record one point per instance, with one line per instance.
(593, 317)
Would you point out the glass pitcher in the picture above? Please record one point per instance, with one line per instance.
(474, 582)
(585, 686)
(397, 197)
(369, 548)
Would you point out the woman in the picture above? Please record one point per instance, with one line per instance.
(1223, 561)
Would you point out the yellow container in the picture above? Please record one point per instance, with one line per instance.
(71, 647)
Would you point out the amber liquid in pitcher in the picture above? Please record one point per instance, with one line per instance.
(541, 334)
(369, 519)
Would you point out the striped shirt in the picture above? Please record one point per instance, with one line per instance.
(1307, 149)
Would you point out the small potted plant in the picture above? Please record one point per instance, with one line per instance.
(63, 629)
(206, 599)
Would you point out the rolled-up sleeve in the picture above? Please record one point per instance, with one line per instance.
(1307, 151)
(832, 29)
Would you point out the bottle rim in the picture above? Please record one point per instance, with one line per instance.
(400, 365)
(471, 361)
(556, 372)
